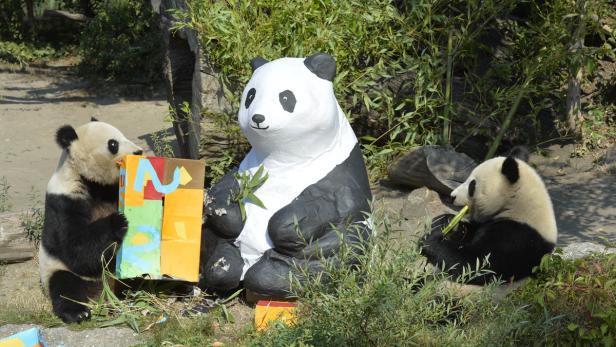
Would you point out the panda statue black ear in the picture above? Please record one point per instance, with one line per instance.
(65, 136)
(257, 62)
(510, 170)
(93, 119)
(322, 65)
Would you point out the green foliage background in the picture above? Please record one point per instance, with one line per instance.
(122, 41)
(417, 72)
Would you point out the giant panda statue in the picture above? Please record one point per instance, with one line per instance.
(511, 222)
(317, 192)
(81, 215)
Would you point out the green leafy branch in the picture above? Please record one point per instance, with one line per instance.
(248, 185)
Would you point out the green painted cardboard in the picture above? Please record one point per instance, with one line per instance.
(140, 250)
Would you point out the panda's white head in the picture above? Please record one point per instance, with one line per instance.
(289, 105)
(506, 187)
(93, 150)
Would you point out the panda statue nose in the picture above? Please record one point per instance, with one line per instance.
(258, 118)
(138, 152)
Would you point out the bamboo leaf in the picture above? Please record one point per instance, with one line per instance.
(255, 200)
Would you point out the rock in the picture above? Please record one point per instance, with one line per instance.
(101, 337)
(439, 168)
(414, 209)
(578, 250)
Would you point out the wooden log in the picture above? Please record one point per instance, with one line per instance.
(14, 244)
(76, 17)
(11, 254)
(189, 79)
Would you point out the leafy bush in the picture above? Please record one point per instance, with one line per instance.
(415, 72)
(24, 53)
(33, 218)
(394, 301)
(122, 42)
(576, 298)
(12, 24)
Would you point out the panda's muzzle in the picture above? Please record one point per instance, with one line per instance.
(258, 119)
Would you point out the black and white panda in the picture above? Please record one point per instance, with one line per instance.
(81, 215)
(511, 221)
(317, 191)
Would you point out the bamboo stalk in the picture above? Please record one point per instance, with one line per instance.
(447, 120)
(507, 122)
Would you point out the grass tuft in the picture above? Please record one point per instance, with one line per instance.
(5, 203)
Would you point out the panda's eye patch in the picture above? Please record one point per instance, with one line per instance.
(113, 146)
(471, 188)
(250, 97)
(287, 100)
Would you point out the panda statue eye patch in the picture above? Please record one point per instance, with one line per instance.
(287, 100)
(250, 97)
(113, 146)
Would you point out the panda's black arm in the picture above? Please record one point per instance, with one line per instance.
(222, 215)
(86, 246)
(451, 253)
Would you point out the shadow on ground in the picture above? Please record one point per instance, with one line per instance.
(585, 208)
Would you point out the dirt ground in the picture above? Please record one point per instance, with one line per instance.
(34, 105)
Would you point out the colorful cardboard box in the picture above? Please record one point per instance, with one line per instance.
(27, 338)
(162, 199)
(267, 311)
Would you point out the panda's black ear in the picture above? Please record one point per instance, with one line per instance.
(520, 152)
(510, 170)
(322, 65)
(65, 136)
(93, 119)
(257, 62)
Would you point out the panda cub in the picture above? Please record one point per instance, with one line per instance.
(511, 221)
(81, 215)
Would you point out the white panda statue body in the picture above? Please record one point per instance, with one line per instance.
(511, 222)
(317, 180)
(81, 215)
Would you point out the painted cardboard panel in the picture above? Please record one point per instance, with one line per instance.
(129, 196)
(27, 338)
(162, 198)
(267, 311)
(149, 191)
(191, 177)
(140, 250)
(181, 237)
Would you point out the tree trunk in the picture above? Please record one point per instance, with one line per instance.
(574, 101)
(192, 85)
(30, 16)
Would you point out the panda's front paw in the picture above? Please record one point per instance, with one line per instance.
(435, 236)
(119, 225)
(75, 314)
